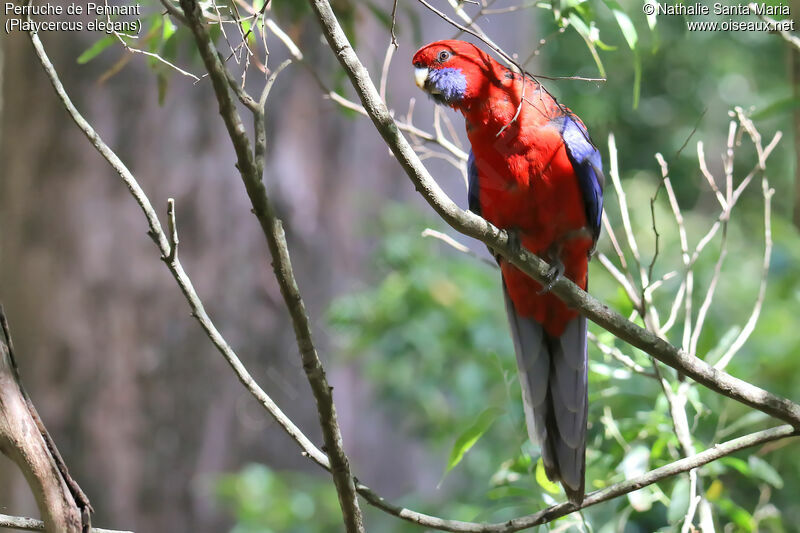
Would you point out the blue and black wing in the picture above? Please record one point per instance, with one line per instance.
(586, 162)
(473, 187)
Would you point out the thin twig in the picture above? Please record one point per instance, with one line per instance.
(785, 35)
(617, 354)
(387, 62)
(701, 158)
(612, 269)
(134, 50)
(448, 240)
(751, 322)
(172, 228)
(297, 54)
(613, 172)
(394, 24)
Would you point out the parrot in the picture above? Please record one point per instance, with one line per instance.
(534, 171)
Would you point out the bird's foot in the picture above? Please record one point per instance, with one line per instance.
(554, 273)
(514, 239)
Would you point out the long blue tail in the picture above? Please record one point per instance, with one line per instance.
(552, 373)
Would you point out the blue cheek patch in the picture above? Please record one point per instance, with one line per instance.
(449, 82)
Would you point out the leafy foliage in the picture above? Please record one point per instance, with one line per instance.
(266, 501)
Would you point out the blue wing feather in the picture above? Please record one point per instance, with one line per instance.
(586, 162)
(473, 188)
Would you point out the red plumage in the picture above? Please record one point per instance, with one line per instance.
(534, 172)
(527, 182)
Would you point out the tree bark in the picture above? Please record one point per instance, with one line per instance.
(23, 440)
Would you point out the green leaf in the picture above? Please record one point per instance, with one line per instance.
(678, 501)
(541, 479)
(652, 19)
(637, 78)
(94, 50)
(635, 464)
(168, 30)
(624, 23)
(163, 83)
(468, 438)
(764, 471)
(736, 464)
(590, 36)
(780, 107)
(659, 446)
(740, 517)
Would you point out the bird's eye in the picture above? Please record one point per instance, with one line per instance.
(444, 55)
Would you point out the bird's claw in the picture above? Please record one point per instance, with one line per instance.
(554, 273)
(514, 240)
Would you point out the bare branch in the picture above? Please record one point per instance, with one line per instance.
(751, 322)
(272, 228)
(387, 62)
(609, 229)
(633, 296)
(23, 440)
(33, 524)
(173, 231)
(785, 35)
(617, 354)
(593, 498)
(297, 54)
(701, 158)
(394, 23)
(448, 240)
(613, 172)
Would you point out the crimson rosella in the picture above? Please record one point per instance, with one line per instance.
(533, 171)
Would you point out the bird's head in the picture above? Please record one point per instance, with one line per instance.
(451, 72)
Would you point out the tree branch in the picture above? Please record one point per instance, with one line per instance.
(281, 263)
(33, 524)
(22, 439)
(593, 498)
(475, 226)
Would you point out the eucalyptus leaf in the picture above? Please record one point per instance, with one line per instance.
(468, 438)
(678, 501)
(543, 481)
(764, 471)
(624, 22)
(95, 50)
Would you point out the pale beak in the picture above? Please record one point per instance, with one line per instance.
(420, 76)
